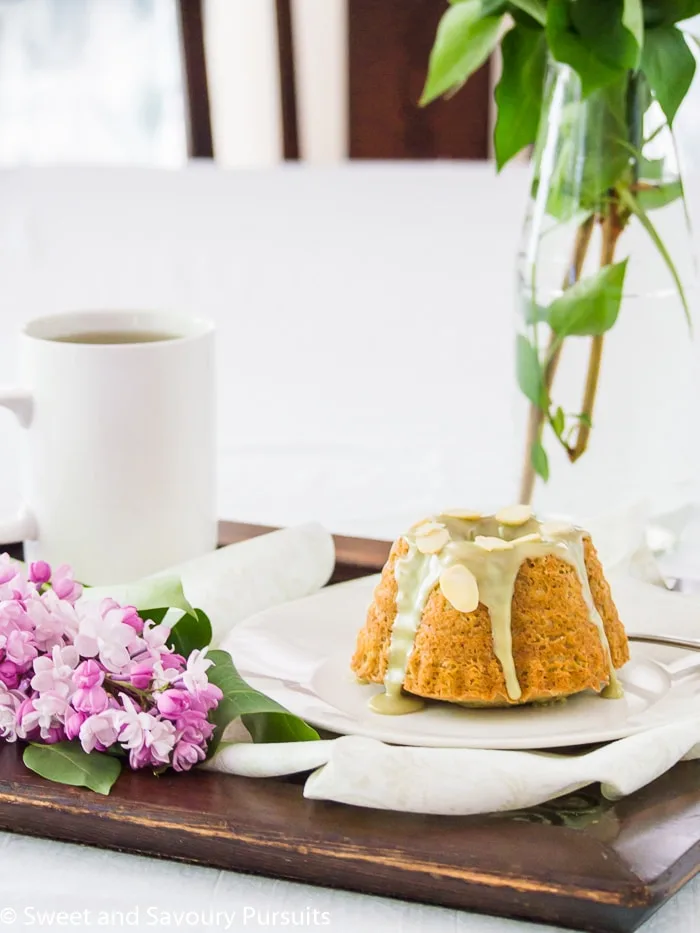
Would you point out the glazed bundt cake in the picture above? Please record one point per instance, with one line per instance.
(490, 611)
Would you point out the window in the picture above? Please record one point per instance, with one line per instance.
(91, 81)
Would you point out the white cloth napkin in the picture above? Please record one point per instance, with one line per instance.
(240, 580)
(368, 773)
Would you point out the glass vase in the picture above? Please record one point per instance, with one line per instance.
(608, 384)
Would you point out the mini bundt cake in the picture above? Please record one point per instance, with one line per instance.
(490, 611)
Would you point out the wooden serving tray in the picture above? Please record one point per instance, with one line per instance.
(580, 862)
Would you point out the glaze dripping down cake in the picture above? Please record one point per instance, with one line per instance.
(496, 610)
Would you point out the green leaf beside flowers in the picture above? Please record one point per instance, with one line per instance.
(265, 719)
(67, 763)
(519, 92)
(465, 39)
(591, 306)
(151, 593)
(190, 633)
(153, 615)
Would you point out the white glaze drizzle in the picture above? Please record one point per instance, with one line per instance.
(496, 572)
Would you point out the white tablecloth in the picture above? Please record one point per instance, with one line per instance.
(334, 291)
(141, 894)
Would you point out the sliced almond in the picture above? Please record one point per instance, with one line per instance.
(468, 515)
(434, 542)
(556, 529)
(459, 587)
(514, 515)
(422, 521)
(527, 539)
(427, 527)
(487, 543)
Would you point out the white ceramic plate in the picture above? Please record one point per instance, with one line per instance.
(299, 654)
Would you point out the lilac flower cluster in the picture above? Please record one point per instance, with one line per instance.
(96, 672)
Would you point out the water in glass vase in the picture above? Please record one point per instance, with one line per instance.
(606, 286)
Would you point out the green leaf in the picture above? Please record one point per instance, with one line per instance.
(154, 615)
(519, 92)
(67, 763)
(152, 593)
(265, 719)
(657, 196)
(651, 169)
(486, 7)
(633, 21)
(537, 9)
(278, 727)
(464, 41)
(669, 67)
(602, 29)
(629, 200)
(591, 153)
(539, 460)
(190, 632)
(667, 12)
(583, 53)
(529, 372)
(562, 188)
(534, 313)
(647, 169)
(591, 306)
(607, 157)
(584, 419)
(559, 421)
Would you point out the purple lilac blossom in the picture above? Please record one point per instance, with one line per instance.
(96, 672)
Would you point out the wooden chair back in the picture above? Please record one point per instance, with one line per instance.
(388, 46)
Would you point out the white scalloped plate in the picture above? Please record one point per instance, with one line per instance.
(299, 654)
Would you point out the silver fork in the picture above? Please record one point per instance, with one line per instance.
(690, 643)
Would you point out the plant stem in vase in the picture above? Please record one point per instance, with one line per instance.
(536, 419)
(594, 168)
(595, 87)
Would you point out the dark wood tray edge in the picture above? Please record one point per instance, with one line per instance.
(596, 910)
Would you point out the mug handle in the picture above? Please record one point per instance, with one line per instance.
(23, 526)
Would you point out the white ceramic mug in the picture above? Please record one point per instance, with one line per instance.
(119, 477)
